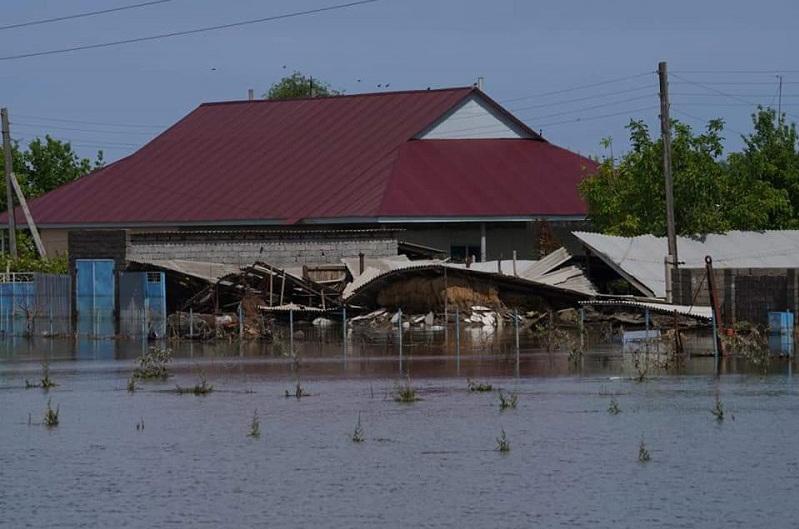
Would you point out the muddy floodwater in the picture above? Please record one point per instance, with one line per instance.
(154, 458)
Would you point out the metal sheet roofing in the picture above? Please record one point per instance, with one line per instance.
(694, 311)
(641, 259)
(346, 157)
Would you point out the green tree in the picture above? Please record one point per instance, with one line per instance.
(767, 166)
(299, 85)
(45, 165)
(748, 191)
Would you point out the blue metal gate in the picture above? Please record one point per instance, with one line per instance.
(142, 304)
(94, 297)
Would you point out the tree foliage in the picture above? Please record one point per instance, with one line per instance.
(300, 85)
(755, 189)
(45, 165)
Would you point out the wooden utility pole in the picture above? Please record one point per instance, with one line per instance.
(665, 132)
(9, 167)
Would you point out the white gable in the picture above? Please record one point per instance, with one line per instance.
(474, 119)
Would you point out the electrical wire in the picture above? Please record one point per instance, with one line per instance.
(98, 123)
(82, 15)
(581, 87)
(592, 118)
(188, 31)
(74, 129)
(703, 121)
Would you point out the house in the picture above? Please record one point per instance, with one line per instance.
(448, 169)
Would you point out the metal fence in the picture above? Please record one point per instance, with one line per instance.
(142, 304)
(33, 304)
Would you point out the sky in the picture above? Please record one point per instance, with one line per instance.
(576, 70)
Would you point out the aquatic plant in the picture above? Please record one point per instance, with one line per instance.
(405, 393)
(503, 444)
(614, 408)
(643, 453)
(299, 392)
(140, 425)
(131, 384)
(203, 388)
(357, 434)
(507, 401)
(45, 382)
(255, 426)
(153, 364)
(718, 410)
(478, 386)
(51, 415)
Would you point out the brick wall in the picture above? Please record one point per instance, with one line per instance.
(745, 294)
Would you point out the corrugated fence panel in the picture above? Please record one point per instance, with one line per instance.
(142, 302)
(94, 291)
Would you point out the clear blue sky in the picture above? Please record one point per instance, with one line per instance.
(523, 49)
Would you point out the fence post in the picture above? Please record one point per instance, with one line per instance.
(458, 339)
(344, 332)
(191, 323)
(291, 333)
(516, 331)
(399, 336)
(582, 330)
(646, 334)
(241, 323)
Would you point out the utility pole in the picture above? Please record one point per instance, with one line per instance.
(7, 156)
(779, 102)
(665, 132)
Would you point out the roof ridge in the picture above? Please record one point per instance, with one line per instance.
(338, 96)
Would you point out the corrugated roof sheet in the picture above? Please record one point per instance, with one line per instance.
(322, 158)
(641, 258)
(694, 311)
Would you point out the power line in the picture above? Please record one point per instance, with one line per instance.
(584, 98)
(188, 31)
(82, 15)
(98, 144)
(54, 127)
(593, 107)
(99, 123)
(735, 72)
(592, 118)
(582, 87)
(704, 121)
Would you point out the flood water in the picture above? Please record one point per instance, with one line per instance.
(432, 463)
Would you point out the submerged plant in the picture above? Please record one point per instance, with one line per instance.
(299, 392)
(503, 444)
(203, 388)
(255, 426)
(478, 386)
(357, 434)
(51, 415)
(405, 393)
(45, 382)
(643, 453)
(614, 408)
(507, 401)
(153, 364)
(718, 410)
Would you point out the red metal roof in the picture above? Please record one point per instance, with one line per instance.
(323, 158)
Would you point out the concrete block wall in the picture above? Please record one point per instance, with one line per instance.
(98, 244)
(745, 294)
(280, 249)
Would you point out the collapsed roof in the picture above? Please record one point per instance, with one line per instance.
(640, 259)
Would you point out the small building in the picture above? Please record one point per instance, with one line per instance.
(450, 170)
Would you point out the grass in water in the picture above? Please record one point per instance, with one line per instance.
(153, 364)
(255, 426)
(46, 382)
(140, 425)
(203, 388)
(51, 415)
(503, 445)
(131, 384)
(614, 408)
(357, 434)
(718, 410)
(643, 453)
(507, 400)
(299, 392)
(478, 386)
(405, 393)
